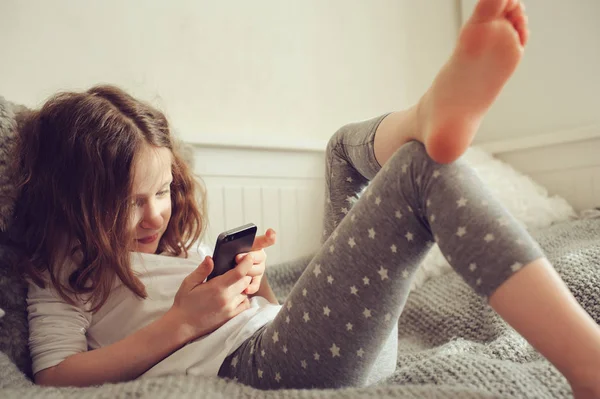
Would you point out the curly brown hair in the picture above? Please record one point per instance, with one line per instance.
(76, 156)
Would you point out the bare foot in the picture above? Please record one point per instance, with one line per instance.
(489, 48)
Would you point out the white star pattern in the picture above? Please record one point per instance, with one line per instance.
(260, 373)
(488, 237)
(372, 233)
(405, 274)
(377, 200)
(428, 202)
(287, 319)
(317, 270)
(345, 211)
(350, 199)
(503, 221)
(331, 249)
(436, 238)
(409, 236)
(410, 209)
(366, 280)
(383, 273)
(449, 258)
(304, 292)
(284, 349)
(303, 364)
(349, 179)
(472, 267)
(369, 193)
(316, 356)
(348, 327)
(360, 352)
(436, 174)
(335, 234)
(263, 353)
(306, 317)
(234, 361)
(330, 279)
(328, 200)
(277, 377)
(388, 317)
(353, 290)
(335, 351)
(289, 305)
(398, 215)
(516, 266)
(404, 168)
(461, 231)
(461, 202)
(394, 248)
(432, 218)
(367, 313)
(326, 310)
(478, 282)
(418, 181)
(275, 337)
(351, 242)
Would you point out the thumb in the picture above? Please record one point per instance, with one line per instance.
(205, 268)
(200, 273)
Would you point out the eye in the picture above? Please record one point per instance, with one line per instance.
(163, 193)
(138, 202)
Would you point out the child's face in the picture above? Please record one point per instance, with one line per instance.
(152, 197)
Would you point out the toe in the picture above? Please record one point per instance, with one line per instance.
(486, 10)
(519, 21)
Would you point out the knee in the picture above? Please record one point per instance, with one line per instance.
(335, 140)
(412, 153)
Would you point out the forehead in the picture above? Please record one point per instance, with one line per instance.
(152, 169)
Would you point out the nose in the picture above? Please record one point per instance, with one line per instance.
(152, 219)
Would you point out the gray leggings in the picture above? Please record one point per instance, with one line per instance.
(344, 308)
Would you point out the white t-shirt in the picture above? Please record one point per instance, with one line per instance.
(58, 330)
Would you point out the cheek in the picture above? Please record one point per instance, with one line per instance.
(135, 219)
(166, 211)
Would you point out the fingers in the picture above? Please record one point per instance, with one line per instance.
(243, 305)
(238, 272)
(265, 240)
(253, 287)
(259, 256)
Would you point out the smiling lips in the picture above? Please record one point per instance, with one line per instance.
(149, 239)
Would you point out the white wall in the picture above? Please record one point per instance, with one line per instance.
(221, 69)
(556, 89)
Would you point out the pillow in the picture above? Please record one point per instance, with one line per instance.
(8, 192)
(528, 202)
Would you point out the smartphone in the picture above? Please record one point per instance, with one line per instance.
(229, 244)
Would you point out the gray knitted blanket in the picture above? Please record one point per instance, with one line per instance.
(451, 344)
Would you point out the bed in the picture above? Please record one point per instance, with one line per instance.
(451, 344)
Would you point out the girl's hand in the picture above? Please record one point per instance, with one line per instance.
(200, 308)
(260, 257)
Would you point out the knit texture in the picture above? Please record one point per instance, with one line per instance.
(451, 343)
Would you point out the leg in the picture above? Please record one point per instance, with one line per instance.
(344, 306)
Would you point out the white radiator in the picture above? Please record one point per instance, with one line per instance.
(277, 188)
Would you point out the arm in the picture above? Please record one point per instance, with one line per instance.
(122, 361)
(266, 292)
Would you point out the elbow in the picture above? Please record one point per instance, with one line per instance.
(45, 377)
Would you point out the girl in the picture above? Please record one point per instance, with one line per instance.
(108, 213)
